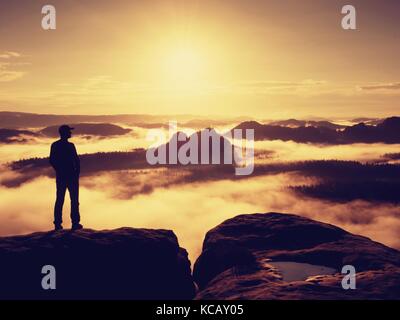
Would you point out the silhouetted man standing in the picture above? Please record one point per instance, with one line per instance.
(65, 161)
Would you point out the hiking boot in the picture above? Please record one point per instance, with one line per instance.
(77, 226)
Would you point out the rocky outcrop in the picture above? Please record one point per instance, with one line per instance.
(124, 263)
(254, 256)
(283, 256)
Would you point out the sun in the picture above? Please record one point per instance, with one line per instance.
(184, 67)
(179, 66)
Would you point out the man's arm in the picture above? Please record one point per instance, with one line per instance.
(77, 162)
(52, 158)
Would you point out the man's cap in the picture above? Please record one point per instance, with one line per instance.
(64, 128)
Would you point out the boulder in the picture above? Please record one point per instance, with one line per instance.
(124, 263)
(284, 256)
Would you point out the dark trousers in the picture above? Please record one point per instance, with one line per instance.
(72, 184)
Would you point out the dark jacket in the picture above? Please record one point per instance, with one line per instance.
(64, 158)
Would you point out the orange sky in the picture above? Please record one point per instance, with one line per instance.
(267, 59)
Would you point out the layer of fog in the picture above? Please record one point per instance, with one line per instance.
(283, 151)
(112, 200)
(191, 209)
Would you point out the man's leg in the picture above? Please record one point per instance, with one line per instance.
(73, 188)
(61, 188)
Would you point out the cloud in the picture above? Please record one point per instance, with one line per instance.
(98, 90)
(7, 72)
(283, 84)
(7, 75)
(277, 87)
(302, 88)
(9, 55)
(381, 86)
(100, 84)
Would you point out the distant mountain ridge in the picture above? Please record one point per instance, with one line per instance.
(302, 131)
(15, 120)
(16, 136)
(386, 131)
(33, 120)
(91, 129)
(293, 123)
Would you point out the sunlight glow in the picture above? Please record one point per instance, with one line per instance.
(184, 68)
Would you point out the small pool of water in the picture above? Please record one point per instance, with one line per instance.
(295, 271)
